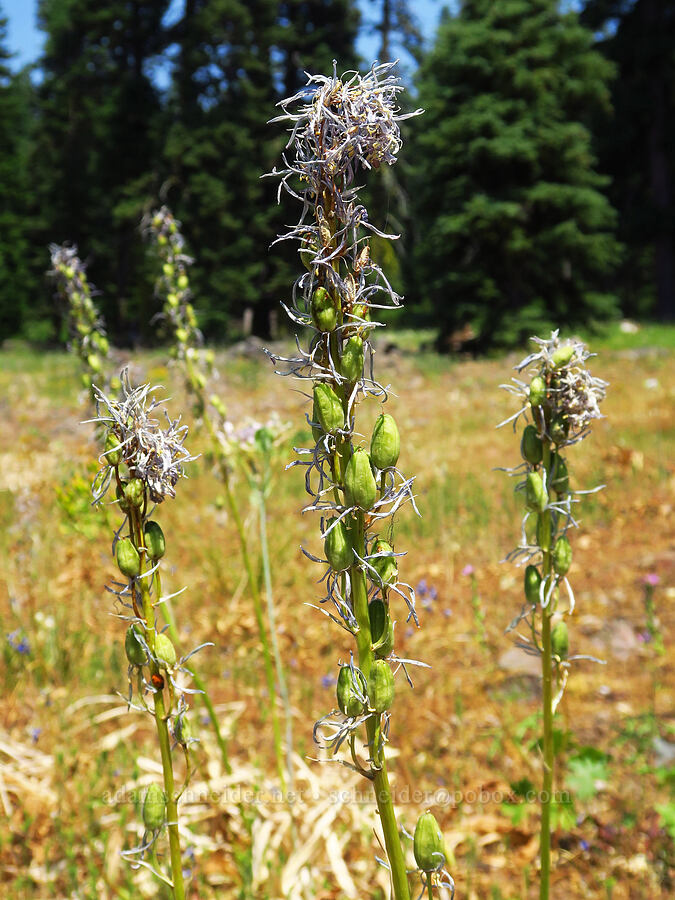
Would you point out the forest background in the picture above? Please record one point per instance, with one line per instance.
(536, 190)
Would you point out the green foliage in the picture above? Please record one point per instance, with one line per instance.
(95, 150)
(514, 232)
(587, 772)
(638, 37)
(219, 144)
(15, 285)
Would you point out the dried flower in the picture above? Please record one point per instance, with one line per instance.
(154, 455)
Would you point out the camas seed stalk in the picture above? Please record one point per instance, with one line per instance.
(142, 462)
(339, 128)
(86, 330)
(562, 398)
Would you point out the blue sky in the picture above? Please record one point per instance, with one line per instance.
(25, 39)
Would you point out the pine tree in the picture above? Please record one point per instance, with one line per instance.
(236, 59)
(96, 155)
(15, 283)
(638, 151)
(513, 232)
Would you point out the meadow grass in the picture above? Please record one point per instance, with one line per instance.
(68, 745)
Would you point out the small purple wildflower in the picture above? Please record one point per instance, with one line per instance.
(327, 681)
(447, 612)
(427, 593)
(18, 642)
(652, 579)
(468, 569)
(35, 734)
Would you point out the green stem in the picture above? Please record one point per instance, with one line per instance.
(198, 680)
(385, 805)
(161, 724)
(258, 610)
(281, 677)
(431, 895)
(547, 700)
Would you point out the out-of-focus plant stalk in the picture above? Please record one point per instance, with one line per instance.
(179, 317)
(562, 399)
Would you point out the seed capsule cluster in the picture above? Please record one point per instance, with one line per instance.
(178, 313)
(562, 399)
(86, 329)
(339, 127)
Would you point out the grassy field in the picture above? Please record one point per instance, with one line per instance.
(73, 759)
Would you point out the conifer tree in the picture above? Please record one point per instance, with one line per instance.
(15, 284)
(236, 59)
(513, 230)
(638, 150)
(96, 153)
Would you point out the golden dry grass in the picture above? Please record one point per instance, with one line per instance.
(67, 791)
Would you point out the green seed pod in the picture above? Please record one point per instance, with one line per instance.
(562, 356)
(165, 652)
(324, 313)
(385, 566)
(380, 686)
(317, 432)
(559, 476)
(381, 628)
(167, 268)
(182, 282)
(85, 380)
(532, 582)
(94, 362)
(112, 449)
(182, 729)
(562, 556)
(128, 560)
(134, 492)
(351, 363)
(154, 807)
(360, 486)
(307, 254)
(338, 547)
(361, 311)
(385, 444)
(181, 336)
(536, 497)
(560, 639)
(121, 499)
(327, 408)
(559, 429)
(531, 448)
(428, 844)
(155, 543)
(347, 698)
(537, 391)
(172, 299)
(136, 653)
